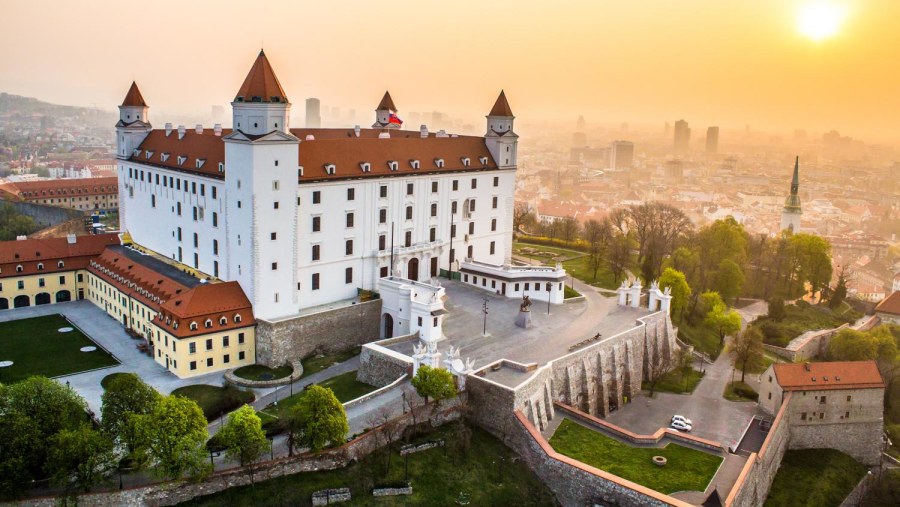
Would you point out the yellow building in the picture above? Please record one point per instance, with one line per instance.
(77, 193)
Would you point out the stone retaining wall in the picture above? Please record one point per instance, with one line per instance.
(392, 491)
(377, 392)
(325, 332)
(379, 366)
(240, 381)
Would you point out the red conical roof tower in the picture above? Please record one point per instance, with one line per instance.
(134, 97)
(501, 107)
(261, 84)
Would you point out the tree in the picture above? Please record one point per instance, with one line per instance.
(776, 308)
(656, 372)
(523, 217)
(434, 383)
(810, 258)
(243, 437)
(320, 419)
(597, 235)
(657, 227)
(719, 317)
(126, 394)
(20, 461)
(684, 360)
(746, 350)
(679, 288)
(839, 293)
(569, 229)
(852, 345)
(80, 457)
(173, 437)
(729, 279)
(619, 255)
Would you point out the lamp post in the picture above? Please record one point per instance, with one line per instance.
(450, 266)
(484, 310)
(549, 288)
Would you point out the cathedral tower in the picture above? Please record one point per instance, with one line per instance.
(500, 138)
(790, 215)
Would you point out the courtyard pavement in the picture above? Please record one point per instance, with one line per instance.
(110, 335)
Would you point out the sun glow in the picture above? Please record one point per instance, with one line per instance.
(820, 20)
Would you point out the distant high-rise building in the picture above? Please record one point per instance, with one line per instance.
(313, 113)
(579, 140)
(682, 135)
(621, 155)
(579, 125)
(790, 215)
(712, 139)
(674, 171)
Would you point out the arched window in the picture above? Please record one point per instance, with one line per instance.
(223, 321)
(40, 266)
(193, 326)
(19, 268)
(60, 264)
(208, 323)
(237, 317)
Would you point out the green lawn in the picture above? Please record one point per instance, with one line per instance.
(318, 362)
(672, 382)
(215, 400)
(544, 254)
(260, 372)
(701, 337)
(36, 347)
(687, 469)
(488, 473)
(569, 292)
(104, 383)
(800, 318)
(739, 391)
(580, 269)
(576, 263)
(814, 478)
(345, 387)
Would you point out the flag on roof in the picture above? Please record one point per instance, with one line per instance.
(393, 118)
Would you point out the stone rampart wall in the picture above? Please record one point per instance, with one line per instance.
(324, 332)
(861, 441)
(43, 214)
(379, 366)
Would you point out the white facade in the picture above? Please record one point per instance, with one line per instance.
(517, 281)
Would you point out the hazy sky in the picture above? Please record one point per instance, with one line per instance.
(722, 62)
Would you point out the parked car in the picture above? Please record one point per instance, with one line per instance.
(682, 419)
(681, 426)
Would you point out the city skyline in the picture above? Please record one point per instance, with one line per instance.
(712, 63)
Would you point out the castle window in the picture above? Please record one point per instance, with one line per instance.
(365, 166)
(237, 317)
(330, 169)
(409, 212)
(62, 264)
(439, 162)
(348, 247)
(414, 164)
(493, 225)
(494, 202)
(316, 252)
(148, 154)
(382, 216)
(181, 160)
(483, 160)
(40, 266)
(434, 187)
(393, 165)
(348, 275)
(316, 196)
(434, 209)
(409, 189)
(275, 184)
(465, 161)
(316, 224)
(208, 323)
(193, 326)
(382, 191)
(351, 194)
(350, 219)
(315, 281)
(274, 266)
(221, 167)
(19, 268)
(223, 320)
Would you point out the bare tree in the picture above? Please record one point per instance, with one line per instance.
(657, 227)
(619, 255)
(597, 234)
(523, 217)
(387, 431)
(569, 229)
(657, 372)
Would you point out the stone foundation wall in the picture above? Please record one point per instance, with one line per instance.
(754, 481)
(862, 441)
(328, 331)
(379, 366)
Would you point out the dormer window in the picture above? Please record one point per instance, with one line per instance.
(439, 162)
(465, 161)
(40, 266)
(193, 326)
(60, 264)
(237, 317)
(199, 162)
(221, 167)
(137, 152)
(148, 154)
(19, 268)
(208, 323)
(163, 157)
(330, 169)
(181, 159)
(483, 160)
(366, 167)
(393, 165)
(414, 164)
(223, 321)
(300, 171)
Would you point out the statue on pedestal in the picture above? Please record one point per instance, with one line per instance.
(523, 320)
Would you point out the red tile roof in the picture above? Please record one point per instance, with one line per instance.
(501, 107)
(387, 103)
(75, 187)
(830, 375)
(891, 304)
(134, 97)
(261, 84)
(134, 279)
(29, 253)
(216, 302)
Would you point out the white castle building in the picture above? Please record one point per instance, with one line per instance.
(306, 217)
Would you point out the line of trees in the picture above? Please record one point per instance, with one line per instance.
(13, 224)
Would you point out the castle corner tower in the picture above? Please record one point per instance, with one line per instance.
(500, 138)
(133, 125)
(790, 215)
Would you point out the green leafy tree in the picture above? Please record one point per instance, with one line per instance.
(729, 280)
(684, 363)
(81, 457)
(776, 309)
(597, 234)
(852, 345)
(21, 444)
(320, 419)
(680, 290)
(126, 395)
(172, 437)
(746, 350)
(839, 294)
(810, 260)
(434, 383)
(719, 317)
(243, 436)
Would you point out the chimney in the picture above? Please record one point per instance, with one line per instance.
(442, 133)
(217, 128)
(199, 128)
(807, 366)
(21, 238)
(356, 130)
(168, 129)
(70, 239)
(384, 135)
(180, 132)
(423, 131)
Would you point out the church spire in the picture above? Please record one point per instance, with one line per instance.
(501, 107)
(261, 84)
(795, 182)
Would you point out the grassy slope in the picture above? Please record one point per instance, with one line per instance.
(701, 337)
(345, 387)
(687, 470)
(315, 364)
(258, 371)
(487, 473)
(214, 400)
(673, 383)
(575, 263)
(814, 478)
(36, 347)
(799, 319)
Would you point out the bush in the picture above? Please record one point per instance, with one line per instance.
(746, 392)
(578, 244)
(776, 308)
(569, 292)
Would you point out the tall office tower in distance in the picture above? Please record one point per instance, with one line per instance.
(712, 140)
(790, 215)
(682, 136)
(621, 155)
(313, 114)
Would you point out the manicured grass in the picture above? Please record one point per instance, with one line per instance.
(345, 387)
(701, 337)
(260, 372)
(814, 478)
(580, 268)
(569, 292)
(215, 400)
(318, 362)
(739, 391)
(489, 473)
(112, 376)
(673, 382)
(36, 347)
(687, 469)
(544, 253)
(798, 319)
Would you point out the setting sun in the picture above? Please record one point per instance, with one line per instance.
(820, 20)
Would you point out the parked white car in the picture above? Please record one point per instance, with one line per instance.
(683, 419)
(681, 426)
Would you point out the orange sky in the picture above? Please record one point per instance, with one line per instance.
(724, 62)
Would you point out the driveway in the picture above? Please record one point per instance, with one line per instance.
(109, 334)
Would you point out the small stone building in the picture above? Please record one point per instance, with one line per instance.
(836, 405)
(889, 309)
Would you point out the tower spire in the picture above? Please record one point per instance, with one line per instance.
(501, 106)
(134, 97)
(261, 83)
(795, 182)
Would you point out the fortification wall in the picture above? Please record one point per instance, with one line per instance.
(335, 330)
(754, 481)
(43, 214)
